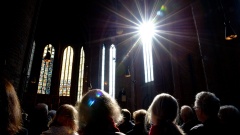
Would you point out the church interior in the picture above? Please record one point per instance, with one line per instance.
(98, 44)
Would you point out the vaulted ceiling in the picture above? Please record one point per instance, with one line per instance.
(73, 21)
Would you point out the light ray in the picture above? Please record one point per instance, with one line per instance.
(140, 11)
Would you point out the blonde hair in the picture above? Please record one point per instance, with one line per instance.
(164, 112)
(66, 115)
(164, 107)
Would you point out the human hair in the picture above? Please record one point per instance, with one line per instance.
(164, 107)
(126, 114)
(97, 106)
(41, 110)
(229, 114)
(186, 113)
(10, 109)
(139, 115)
(66, 115)
(163, 113)
(208, 102)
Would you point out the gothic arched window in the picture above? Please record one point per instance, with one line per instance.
(66, 73)
(112, 69)
(103, 68)
(81, 74)
(44, 83)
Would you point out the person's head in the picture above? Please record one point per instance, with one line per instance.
(164, 107)
(51, 114)
(139, 116)
(39, 118)
(229, 114)
(41, 111)
(186, 113)
(126, 114)
(10, 110)
(66, 115)
(97, 106)
(206, 105)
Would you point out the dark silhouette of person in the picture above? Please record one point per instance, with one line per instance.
(230, 118)
(206, 106)
(51, 114)
(188, 118)
(139, 120)
(39, 119)
(127, 124)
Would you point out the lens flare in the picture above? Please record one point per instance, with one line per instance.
(90, 102)
(98, 94)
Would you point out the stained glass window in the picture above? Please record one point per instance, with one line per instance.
(66, 73)
(44, 83)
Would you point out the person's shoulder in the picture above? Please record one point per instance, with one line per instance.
(119, 133)
(47, 132)
(198, 126)
(197, 129)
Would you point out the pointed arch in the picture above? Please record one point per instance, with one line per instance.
(45, 77)
(66, 72)
(112, 69)
(81, 74)
(103, 67)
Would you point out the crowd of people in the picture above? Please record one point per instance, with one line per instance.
(98, 113)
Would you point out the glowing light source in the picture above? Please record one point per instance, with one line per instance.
(230, 34)
(112, 68)
(147, 32)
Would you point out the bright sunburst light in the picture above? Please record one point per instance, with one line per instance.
(130, 15)
(147, 31)
(144, 23)
(144, 30)
(141, 22)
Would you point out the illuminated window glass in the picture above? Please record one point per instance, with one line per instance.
(103, 67)
(66, 73)
(147, 30)
(44, 83)
(112, 68)
(81, 73)
(148, 62)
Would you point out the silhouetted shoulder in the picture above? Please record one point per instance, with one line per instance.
(119, 133)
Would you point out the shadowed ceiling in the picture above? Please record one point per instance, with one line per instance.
(73, 21)
(95, 20)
